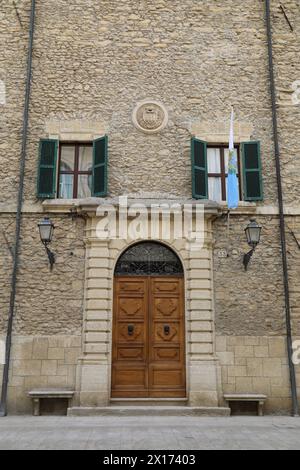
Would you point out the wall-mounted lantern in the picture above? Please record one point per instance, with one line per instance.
(253, 232)
(46, 228)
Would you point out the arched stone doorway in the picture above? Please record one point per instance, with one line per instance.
(148, 350)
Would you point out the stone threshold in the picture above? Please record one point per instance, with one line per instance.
(148, 401)
(119, 411)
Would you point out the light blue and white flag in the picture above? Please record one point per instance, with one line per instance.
(232, 180)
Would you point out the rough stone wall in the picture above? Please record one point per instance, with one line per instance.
(293, 244)
(46, 303)
(248, 302)
(7, 231)
(98, 59)
(13, 47)
(287, 71)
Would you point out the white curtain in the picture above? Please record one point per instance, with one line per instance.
(66, 187)
(214, 189)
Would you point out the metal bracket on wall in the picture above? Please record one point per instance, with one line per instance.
(74, 214)
(294, 236)
(247, 258)
(10, 247)
(18, 14)
(286, 17)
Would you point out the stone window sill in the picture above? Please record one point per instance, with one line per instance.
(90, 205)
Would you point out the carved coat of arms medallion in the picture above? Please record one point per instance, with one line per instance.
(150, 116)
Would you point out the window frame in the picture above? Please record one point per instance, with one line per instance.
(75, 172)
(223, 175)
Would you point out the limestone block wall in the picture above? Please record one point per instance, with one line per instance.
(257, 364)
(41, 362)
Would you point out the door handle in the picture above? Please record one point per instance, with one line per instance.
(130, 330)
(166, 330)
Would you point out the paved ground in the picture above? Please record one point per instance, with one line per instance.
(111, 433)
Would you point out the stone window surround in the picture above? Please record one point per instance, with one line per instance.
(77, 130)
(217, 132)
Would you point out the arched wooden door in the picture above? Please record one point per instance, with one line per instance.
(148, 359)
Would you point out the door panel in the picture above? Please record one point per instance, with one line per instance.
(166, 338)
(148, 338)
(130, 338)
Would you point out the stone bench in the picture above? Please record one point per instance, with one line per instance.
(38, 395)
(248, 397)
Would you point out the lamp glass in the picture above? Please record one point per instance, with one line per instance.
(253, 232)
(46, 228)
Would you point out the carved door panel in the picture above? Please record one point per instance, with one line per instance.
(148, 338)
(166, 338)
(130, 338)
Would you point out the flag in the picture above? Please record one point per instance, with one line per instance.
(232, 180)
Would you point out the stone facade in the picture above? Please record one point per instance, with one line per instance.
(252, 363)
(93, 62)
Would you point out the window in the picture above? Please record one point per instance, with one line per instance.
(217, 167)
(75, 171)
(210, 170)
(72, 170)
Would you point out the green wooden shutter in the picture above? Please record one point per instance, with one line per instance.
(100, 158)
(199, 169)
(46, 182)
(252, 175)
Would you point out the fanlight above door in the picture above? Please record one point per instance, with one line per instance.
(149, 259)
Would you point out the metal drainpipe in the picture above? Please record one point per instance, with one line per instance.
(3, 403)
(295, 410)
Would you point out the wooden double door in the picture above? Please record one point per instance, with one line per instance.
(148, 359)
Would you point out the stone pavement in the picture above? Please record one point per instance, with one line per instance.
(128, 433)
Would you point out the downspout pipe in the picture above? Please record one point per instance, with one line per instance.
(295, 405)
(16, 252)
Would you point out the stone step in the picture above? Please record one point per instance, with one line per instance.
(148, 402)
(149, 411)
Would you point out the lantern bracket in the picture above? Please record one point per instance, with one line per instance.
(247, 258)
(51, 256)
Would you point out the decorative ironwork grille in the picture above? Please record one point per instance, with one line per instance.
(149, 259)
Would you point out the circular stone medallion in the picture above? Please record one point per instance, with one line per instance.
(150, 116)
